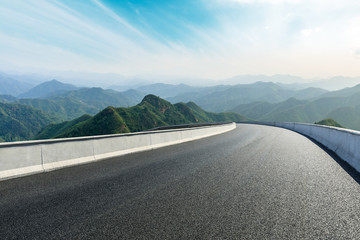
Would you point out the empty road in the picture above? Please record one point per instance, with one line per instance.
(255, 182)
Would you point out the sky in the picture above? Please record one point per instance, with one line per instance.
(213, 39)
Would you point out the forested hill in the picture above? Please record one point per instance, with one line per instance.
(152, 112)
(19, 122)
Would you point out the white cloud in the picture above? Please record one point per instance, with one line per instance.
(309, 39)
(309, 31)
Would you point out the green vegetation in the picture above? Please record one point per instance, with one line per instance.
(329, 122)
(7, 98)
(62, 108)
(19, 122)
(55, 129)
(344, 108)
(73, 104)
(150, 113)
(98, 97)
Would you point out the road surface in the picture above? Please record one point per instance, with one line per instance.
(255, 182)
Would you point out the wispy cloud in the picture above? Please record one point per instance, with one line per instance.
(264, 1)
(214, 39)
(120, 20)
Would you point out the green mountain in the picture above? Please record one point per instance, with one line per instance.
(150, 113)
(73, 104)
(55, 129)
(329, 122)
(348, 117)
(47, 89)
(19, 122)
(225, 98)
(61, 108)
(7, 98)
(133, 96)
(265, 111)
(345, 92)
(98, 97)
(345, 110)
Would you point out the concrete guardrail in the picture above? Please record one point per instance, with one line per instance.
(30, 157)
(344, 142)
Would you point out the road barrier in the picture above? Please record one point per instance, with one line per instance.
(30, 157)
(344, 142)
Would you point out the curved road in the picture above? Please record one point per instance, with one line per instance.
(255, 182)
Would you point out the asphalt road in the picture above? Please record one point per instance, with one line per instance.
(256, 182)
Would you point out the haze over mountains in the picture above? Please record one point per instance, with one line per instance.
(342, 106)
(65, 105)
(66, 102)
(122, 83)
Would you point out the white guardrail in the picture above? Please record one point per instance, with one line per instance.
(344, 142)
(30, 157)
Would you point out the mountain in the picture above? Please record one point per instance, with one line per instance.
(73, 104)
(308, 93)
(133, 96)
(150, 113)
(264, 110)
(61, 108)
(99, 97)
(227, 97)
(167, 90)
(344, 110)
(11, 86)
(336, 83)
(32, 79)
(249, 79)
(348, 117)
(345, 92)
(7, 98)
(48, 89)
(19, 122)
(329, 122)
(55, 129)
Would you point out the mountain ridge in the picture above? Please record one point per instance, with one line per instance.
(151, 112)
(48, 89)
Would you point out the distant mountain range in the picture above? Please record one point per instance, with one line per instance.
(74, 111)
(224, 98)
(343, 106)
(150, 113)
(295, 82)
(167, 90)
(66, 102)
(48, 89)
(11, 86)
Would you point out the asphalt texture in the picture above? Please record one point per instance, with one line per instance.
(255, 182)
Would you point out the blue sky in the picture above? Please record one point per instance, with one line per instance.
(189, 38)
